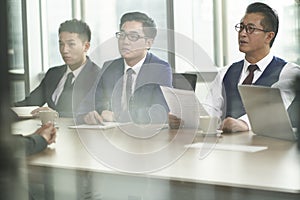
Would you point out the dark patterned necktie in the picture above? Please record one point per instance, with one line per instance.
(64, 103)
(248, 80)
(129, 73)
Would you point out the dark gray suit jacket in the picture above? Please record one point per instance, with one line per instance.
(33, 143)
(43, 93)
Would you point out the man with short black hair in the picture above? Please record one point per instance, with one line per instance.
(65, 87)
(257, 31)
(129, 88)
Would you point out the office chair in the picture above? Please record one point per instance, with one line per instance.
(184, 81)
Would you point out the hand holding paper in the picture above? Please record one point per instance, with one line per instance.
(184, 106)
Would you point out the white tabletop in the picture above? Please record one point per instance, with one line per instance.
(276, 168)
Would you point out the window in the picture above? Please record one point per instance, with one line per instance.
(53, 16)
(194, 41)
(15, 36)
(16, 53)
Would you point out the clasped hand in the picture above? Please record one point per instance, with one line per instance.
(48, 132)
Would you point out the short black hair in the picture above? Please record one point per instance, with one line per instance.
(149, 26)
(76, 26)
(270, 21)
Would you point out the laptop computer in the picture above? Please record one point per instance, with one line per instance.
(266, 112)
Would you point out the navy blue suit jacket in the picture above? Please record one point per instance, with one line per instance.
(147, 104)
(86, 79)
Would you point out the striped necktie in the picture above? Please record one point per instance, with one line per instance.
(129, 73)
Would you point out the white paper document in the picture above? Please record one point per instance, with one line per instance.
(25, 111)
(184, 104)
(230, 147)
(106, 125)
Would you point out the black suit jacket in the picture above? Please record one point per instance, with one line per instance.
(148, 103)
(43, 93)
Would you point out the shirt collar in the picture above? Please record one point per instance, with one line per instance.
(262, 64)
(76, 71)
(136, 68)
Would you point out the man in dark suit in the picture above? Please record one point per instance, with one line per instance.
(129, 87)
(56, 89)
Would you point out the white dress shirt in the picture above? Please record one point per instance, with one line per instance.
(136, 68)
(57, 92)
(215, 102)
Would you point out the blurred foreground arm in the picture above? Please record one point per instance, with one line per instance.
(39, 140)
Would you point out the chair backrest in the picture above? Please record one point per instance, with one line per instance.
(184, 81)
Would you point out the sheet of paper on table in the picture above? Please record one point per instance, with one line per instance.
(24, 111)
(106, 125)
(230, 147)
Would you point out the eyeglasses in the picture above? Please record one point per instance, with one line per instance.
(131, 36)
(250, 28)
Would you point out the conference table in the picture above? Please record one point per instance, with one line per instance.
(117, 163)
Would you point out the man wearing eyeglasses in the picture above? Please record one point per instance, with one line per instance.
(256, 34)
(257, 31)
(128, 89)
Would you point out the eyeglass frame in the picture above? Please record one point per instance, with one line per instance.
(119, 36)
(242, 26)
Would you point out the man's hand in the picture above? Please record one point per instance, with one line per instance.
(174, 122)
(93, 117)
(108, 116)
(231, 125)
(47, 131)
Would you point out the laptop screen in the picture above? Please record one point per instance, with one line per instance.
(266, 112)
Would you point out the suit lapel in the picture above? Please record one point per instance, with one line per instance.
(119, 70)
(140, 79)
(85, 81)
(55, 78)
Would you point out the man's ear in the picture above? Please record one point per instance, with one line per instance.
(86, 46)
(270, 36)
(149, 42)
